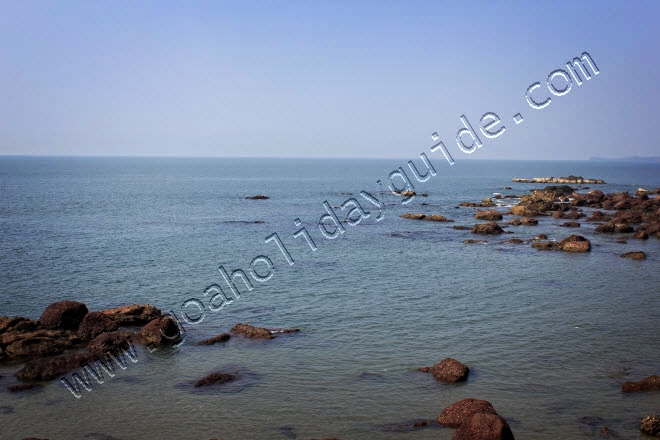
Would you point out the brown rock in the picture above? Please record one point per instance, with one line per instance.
(458, 412)
(95, 323)
(35, 346)
(490, 228)
(543, 245)
(488, 214)
(461, 228)
(258, 197)
(51, 367)
(516, 241)
(161, 331)
(484, 427)
(640, 236)
(573, 214)
(471, 241)
(224, 337)
(485, 203)
(429, 217)
(574, 243)
(515, 222)
(541, 237)
(650, 425)
(651, 383)
(63, 315)
(133, 315)
(635, 255)
(22, 387)
(112, 341)
(215, 379)
(449, 370)
(527, 221)
(250, 331)
(570, 225)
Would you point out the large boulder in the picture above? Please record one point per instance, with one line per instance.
(484, 427)
(457, 413)
(161, 331)
(448, 370)
(574, 243)
(488, 214)
(490, 228)
(133, 315)
(63, 315)
(651, 383)
(51, 367)
(95, 323)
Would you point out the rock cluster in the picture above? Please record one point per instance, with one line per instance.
(575, 180)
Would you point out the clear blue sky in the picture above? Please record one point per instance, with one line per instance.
(323, 79)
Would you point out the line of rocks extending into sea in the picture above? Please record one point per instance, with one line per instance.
(574, 180)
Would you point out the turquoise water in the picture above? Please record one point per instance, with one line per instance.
(549, 336)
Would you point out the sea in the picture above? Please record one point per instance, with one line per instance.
(549, 337)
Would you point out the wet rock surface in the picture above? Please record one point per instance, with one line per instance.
(457, 413)
(448, 370)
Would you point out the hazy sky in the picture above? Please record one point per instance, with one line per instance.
(324, 79)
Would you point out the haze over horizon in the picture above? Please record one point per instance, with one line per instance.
(299, 79)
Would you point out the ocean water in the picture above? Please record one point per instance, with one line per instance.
(549, 337)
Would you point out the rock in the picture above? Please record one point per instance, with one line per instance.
(570, 225)
(541, 237)
(575, 180)
(407, 193)
(22, 387)
(635, 255)
(558, 214)
(543, 245)
(429, 217)
(650, 425)
(458, 412)
(599, 216)
(540, 201)
(490, 228)
(507, 187)
(258, 197)
(527, 221)
(574, 243)
(63, 315)
(215, 379)
(656, 191)
(614, 228)
(485, 203)
(640, 236)
(133, 315)
(35, 346)
(252, 332)
(51, 367)
(642, 192)
(651, 383)
(224, 337)
(475, 242)
(448, 370)
(516, 241)
(161, 331)
(461, 228)
(112, 341)
(489, 214)
(484, 427)
(95, 323)
(515, 222)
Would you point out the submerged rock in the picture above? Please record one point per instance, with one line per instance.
(51, 367)
(457, 413)
(215, 379)
(258, 197)
(224, 337)
(252, 332)
(635, 255)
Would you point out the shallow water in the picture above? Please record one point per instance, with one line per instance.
(549, 336)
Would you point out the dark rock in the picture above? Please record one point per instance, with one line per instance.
(635, 255)
(215, 379)
(650, 425)
(51, 367)
(490, 228)
(95, 323)
(448, 370)
(258, 197)
(516, 241)
(515, 222)
(461, 228)
(471, 241)
(429, 217)
(651, 383)
(133, 315)
(570, 225)
(161, 331)
(527, 221)
(112, 341)
(35, 346)
(458, 412)
(573, 214)
(574, 243)
(485, 203)
(484, 427)
(489, 214)
(22, 387)
(640, 236)
(252, 332)
(63, 315)
(224, 337)
(543, 245)
(541, 237)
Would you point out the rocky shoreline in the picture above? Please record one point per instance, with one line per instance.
(571, 180)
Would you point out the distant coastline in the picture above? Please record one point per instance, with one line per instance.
(629, 158)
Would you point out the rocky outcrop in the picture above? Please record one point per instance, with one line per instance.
(528, 221)
(640, 235)
(651, 383)
(457, 413)
(428, 217)
(161, 331)
(133, 315)
(112, 341)
(570, 225)
(574, 180)
(484, 427)
(448, 370)
(614, 228)
(51, 367)
(634, 255)
(490, 228)
(215, 379)
(485, 203)
(541, 201)
(224, 337)
(488, 214)
(252, 332)
(95, 323)
(63, 315)
(650, 425)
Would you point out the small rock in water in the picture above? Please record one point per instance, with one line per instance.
(214, 379)
(636, 255)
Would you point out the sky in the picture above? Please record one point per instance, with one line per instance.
(325, 79)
